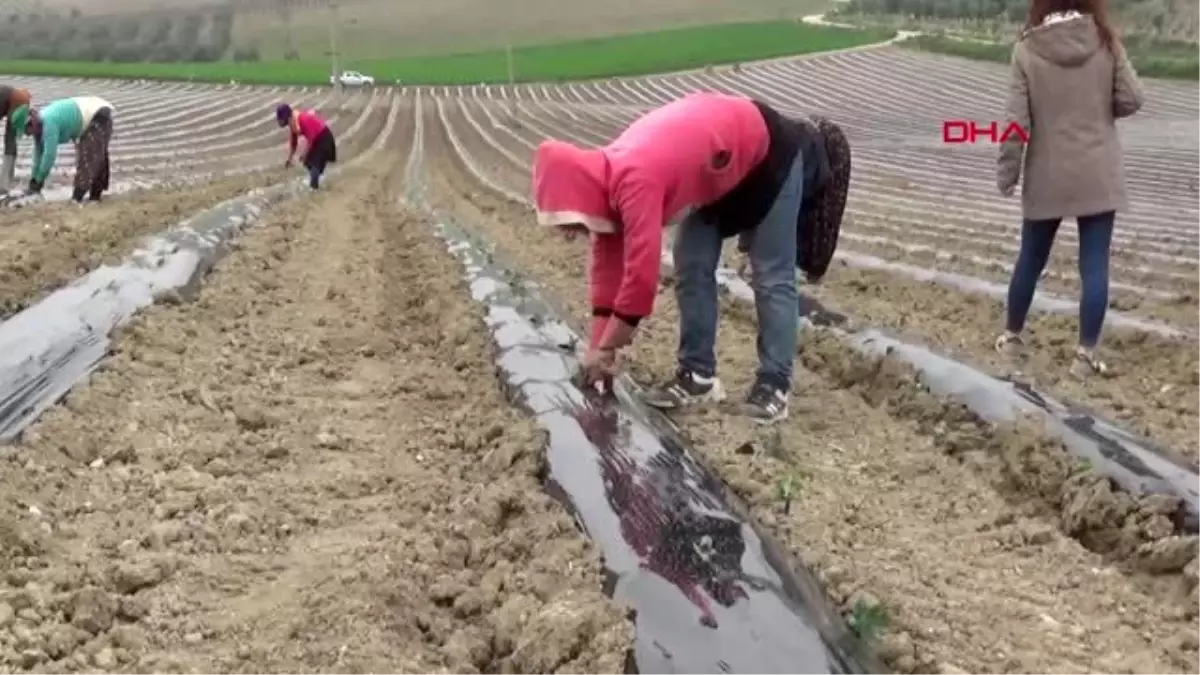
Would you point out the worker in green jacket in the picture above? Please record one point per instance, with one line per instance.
(86, 120)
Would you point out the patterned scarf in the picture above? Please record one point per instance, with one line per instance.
(821, 216)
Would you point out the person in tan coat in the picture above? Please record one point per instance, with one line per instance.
(1071, 80)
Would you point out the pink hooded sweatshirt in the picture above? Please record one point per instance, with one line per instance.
(688, 153)
(308, 124)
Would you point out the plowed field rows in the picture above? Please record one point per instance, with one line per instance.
(310, 465)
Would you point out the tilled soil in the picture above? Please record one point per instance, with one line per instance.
(1179, 310)
(273, 149)
(1153, 384)
(311, 468)
(978, 568)
(47, 246)
(1130, 264)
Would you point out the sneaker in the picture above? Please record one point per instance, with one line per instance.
(1010, 344)
(686, 389)
(1085, 364)
(766, 403)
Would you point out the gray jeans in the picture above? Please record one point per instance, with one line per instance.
(772, 248)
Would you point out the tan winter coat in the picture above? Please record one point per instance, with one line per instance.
(1068, 90)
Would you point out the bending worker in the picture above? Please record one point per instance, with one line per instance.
(87, 120)
(320, 149)
(747, 171)
(11, 99)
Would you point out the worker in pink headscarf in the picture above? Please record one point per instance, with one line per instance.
(737, 167)
(320, 149)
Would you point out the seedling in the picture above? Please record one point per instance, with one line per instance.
(789, 488)
(869, 620)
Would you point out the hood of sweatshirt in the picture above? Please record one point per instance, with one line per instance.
(1068, 39)
(570, 187)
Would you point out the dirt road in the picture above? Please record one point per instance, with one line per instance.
(896, 500)
(310, 468)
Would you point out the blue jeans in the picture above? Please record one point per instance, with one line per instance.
(773, 259)
(1037, 238)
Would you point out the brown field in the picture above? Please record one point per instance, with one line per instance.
(310, 466)
(397, 28)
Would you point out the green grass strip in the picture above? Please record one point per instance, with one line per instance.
(1149, 60)
(633, 54)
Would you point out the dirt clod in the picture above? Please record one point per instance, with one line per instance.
(93, 610)
(1172, 554)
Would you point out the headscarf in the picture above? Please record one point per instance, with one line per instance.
(570, 187)
(283, 113)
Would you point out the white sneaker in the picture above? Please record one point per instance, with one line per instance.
(1010, 344)
(1085, 364)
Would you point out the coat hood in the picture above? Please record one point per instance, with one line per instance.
(1067, 39)
(570, 187)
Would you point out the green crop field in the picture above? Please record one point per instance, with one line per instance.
(630, 54)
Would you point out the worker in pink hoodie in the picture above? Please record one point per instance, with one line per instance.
(742, 169)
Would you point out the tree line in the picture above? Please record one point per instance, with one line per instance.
(1171, 19)
(160, 37)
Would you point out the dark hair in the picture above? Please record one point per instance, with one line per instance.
(1097, 9)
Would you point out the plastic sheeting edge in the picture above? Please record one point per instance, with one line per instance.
(711, 591)
(613, 495)
(1135, 464)
(48, 348)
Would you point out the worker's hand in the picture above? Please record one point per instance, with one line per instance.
(617, 334)
(287, 163)
(600, 367)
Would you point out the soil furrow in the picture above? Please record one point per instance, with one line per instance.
(1179, 310)
(1003, 247)
(61, 242)
(43, 251)
(1152, 390)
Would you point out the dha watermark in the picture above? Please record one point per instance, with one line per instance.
(972, 132)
